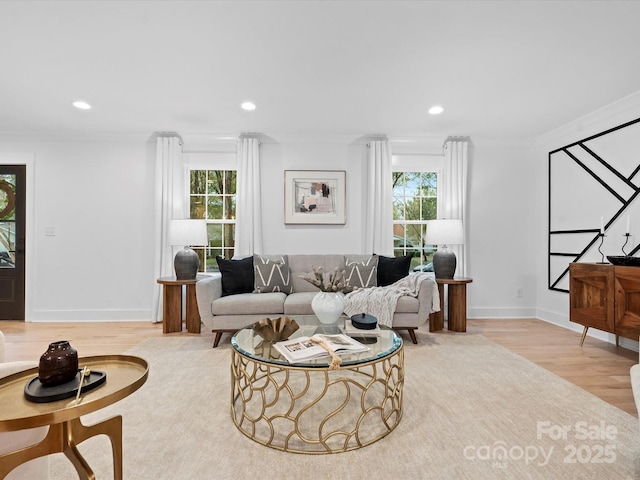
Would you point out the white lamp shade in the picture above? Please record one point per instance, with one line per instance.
(444, 232)
(188, 232)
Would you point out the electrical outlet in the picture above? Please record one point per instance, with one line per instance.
(49, 231)
(519, 292)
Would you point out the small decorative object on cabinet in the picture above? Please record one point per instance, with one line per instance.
(606, 297)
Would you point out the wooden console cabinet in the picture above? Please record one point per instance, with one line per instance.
(606, 297)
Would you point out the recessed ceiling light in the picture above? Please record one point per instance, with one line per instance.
(81, 105)
(248, 106)
(436, 109)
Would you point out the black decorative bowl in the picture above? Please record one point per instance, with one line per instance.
(364, 321)
(626, 261)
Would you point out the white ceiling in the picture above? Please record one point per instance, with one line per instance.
(500, 69)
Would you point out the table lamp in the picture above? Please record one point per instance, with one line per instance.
(186, 233)
(444, 232)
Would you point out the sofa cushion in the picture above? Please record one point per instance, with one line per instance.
(392, 269)
(237, 275)
(361, 270)
(271, 274)
(249, 303)
(299, 303)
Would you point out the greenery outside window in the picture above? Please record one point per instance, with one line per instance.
(212, 197)
(415, 197)
(7, 221)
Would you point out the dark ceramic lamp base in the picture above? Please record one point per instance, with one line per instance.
(186, 264)
(444, 263)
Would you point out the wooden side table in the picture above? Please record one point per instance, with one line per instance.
(172, 304)
(457, 300)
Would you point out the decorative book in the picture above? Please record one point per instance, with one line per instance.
(352, 331)
(304, 348)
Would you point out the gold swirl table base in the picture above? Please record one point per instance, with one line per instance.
(315, 410)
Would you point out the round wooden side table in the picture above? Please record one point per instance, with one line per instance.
(172, 304)
(457, 308)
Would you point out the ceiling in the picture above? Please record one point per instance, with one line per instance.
(512, 69)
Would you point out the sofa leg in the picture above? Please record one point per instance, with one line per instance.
(412, 334)
(217, 339)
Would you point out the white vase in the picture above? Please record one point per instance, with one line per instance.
(328, 306)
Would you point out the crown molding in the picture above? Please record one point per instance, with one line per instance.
(608, 116)
(77, 137)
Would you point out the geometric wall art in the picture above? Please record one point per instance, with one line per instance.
(594, 185)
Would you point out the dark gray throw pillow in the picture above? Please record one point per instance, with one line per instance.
(392, 269)
(237, 275)
(361, 271)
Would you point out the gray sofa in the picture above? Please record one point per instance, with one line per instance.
(231, 312)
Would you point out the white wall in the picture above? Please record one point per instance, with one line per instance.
(98, 198)
(553, 306)
(297, 155)
(502, 202)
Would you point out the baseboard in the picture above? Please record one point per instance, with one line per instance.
(553, 318)
(89, 315)
(501, 312)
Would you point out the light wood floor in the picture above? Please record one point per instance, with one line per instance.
(598, 367)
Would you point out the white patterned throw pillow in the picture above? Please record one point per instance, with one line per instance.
(361, 271)
(271, 274)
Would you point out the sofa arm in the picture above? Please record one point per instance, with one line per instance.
(17, 440)
(429, 298)
(9, 368)
(207, 290)
(635, 385)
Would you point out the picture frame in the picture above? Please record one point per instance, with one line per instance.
(315, 197)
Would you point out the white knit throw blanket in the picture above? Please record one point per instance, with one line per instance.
(381, 302)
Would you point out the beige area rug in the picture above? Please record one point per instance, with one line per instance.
(472, 410)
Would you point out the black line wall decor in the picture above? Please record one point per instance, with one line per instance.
(593, 184)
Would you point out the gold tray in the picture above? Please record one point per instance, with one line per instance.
(126, 374)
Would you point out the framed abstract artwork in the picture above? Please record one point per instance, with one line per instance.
(315, 197)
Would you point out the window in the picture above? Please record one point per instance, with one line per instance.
(7, 220)
(212, 197)
(415, 196)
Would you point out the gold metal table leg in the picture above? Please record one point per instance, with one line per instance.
(584, 334)
(64, 438)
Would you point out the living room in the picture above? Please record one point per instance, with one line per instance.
(556, 73)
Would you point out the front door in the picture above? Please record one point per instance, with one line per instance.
(12, 241)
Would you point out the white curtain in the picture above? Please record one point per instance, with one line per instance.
(168, 156)
(452, 198)
(379, 211)
(248, 238)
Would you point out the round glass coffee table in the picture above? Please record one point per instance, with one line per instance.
(308, 408)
